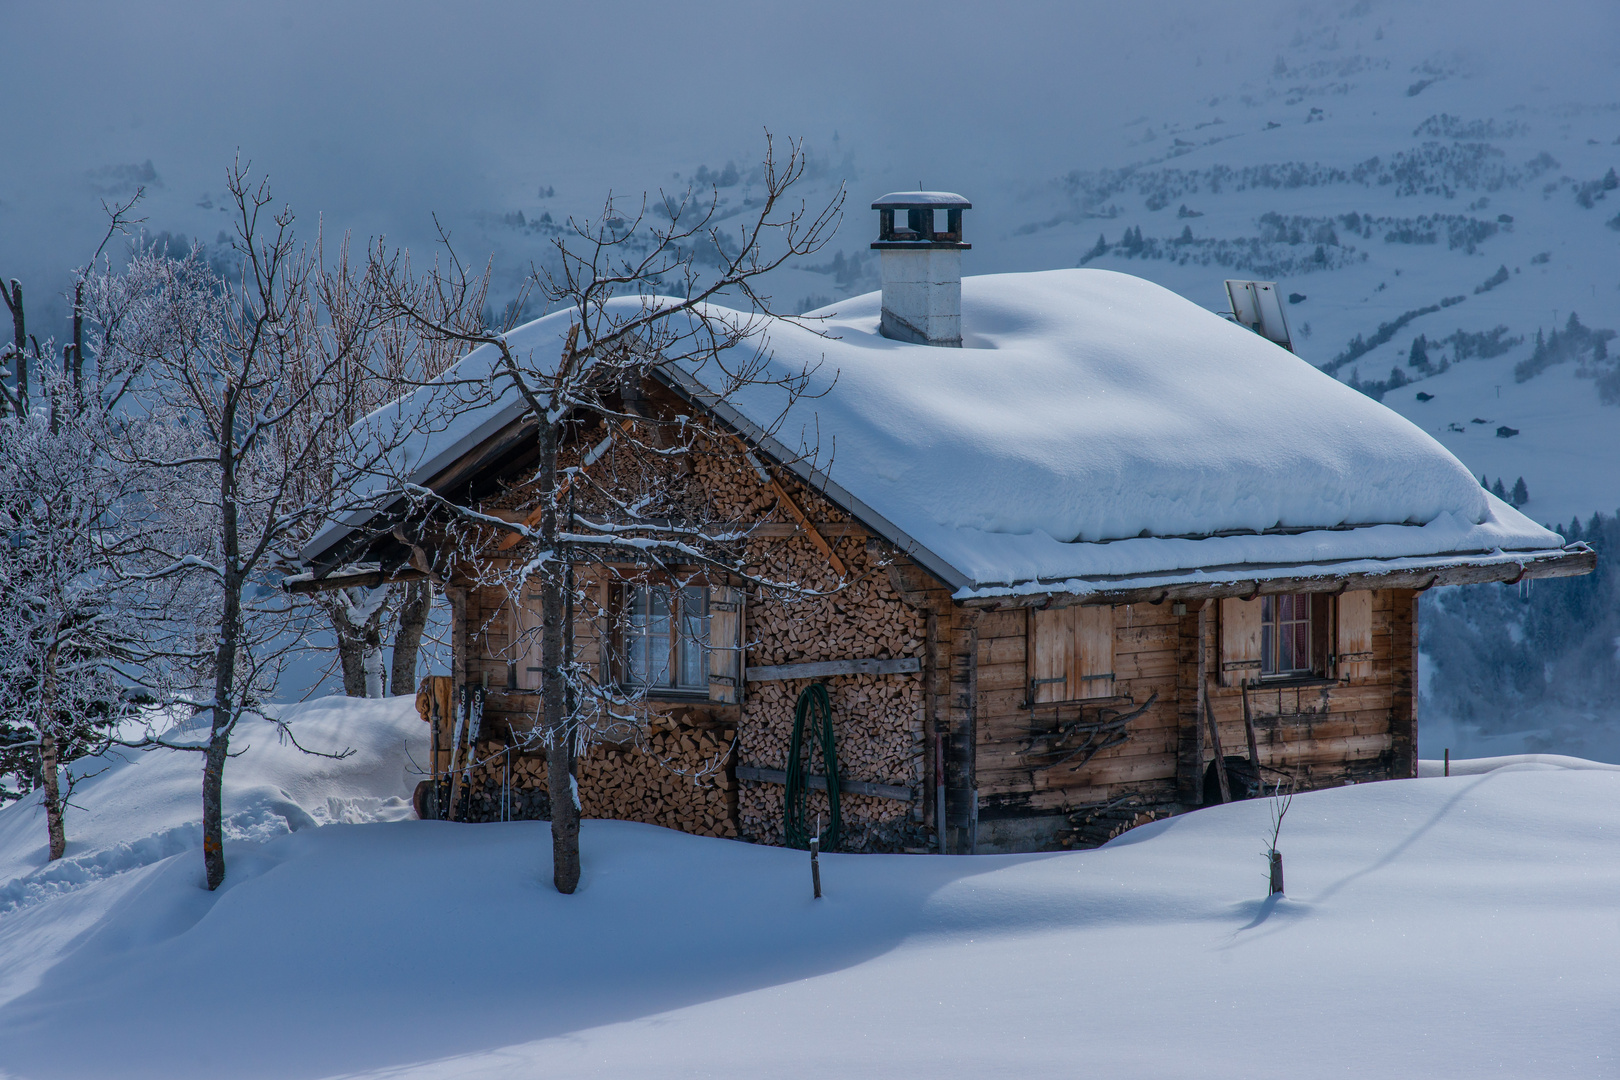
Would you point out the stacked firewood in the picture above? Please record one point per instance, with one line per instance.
(877, 719)
(677, 775)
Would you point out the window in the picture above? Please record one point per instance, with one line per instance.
(664, 638)
(1285, 635)
(1275, 637)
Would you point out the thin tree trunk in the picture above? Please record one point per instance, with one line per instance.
(352, 646)
(413, 617)
(19, 330)
(553, 697)
(213, 811)
(49, 762)
(230, 630)
(78, 346)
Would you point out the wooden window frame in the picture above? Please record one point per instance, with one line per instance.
(1318, 618)
(680, 639)
(1243, 636)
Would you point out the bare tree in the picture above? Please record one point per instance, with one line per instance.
(393, 354)
(592, 415)
(244, 394)
(1278, 806)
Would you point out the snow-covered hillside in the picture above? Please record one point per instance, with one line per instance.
(1436, 927)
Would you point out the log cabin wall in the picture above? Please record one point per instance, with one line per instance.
(877, 718)
(1038, 777)
(677, 773)
(1356, 725)
(670, 775)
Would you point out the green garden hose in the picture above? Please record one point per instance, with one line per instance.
(814, 704)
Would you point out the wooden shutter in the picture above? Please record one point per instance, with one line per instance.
(1093, 674)
(1354, 638)
(725, 644)
(1240, 641)
(1072, 653)
(1051, 653)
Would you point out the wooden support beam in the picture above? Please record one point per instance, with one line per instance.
(772, 673)
(819, 783)
(350, 579)
(1220, 756)
(809, 527)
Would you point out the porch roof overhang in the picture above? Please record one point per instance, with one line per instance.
(1251, 580)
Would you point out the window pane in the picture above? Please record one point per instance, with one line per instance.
(647, 637)
(1268, 643)
(694, 639)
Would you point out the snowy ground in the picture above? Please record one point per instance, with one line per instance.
(1434, 927)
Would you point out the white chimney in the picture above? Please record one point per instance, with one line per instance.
(922, 267)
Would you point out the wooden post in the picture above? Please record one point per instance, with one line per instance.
(1276, 873)
(1448, 761)
(1190, 674)
(1220, 757)
(815, 860)
(1248, 728)
(1403, 659)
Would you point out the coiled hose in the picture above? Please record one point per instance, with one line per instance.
(815, 706)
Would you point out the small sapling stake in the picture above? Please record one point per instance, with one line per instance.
(1448, 761)
(815, 859)
(1279, 810)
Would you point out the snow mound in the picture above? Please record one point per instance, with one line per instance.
(1096, 426)
(1468, 922)
(138, 808)
(1481, 766)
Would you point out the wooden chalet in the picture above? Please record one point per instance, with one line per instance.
(1104, 557)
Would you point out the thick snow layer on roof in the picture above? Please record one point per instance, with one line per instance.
(1094, 426)
(1095, 407)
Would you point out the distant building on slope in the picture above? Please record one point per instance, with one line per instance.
(1105, 554)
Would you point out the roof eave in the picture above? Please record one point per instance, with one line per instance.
(1247, 582)
(327, 549)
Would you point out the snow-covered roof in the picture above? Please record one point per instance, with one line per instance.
(1095, 431)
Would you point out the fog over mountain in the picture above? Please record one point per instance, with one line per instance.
(1433, 181)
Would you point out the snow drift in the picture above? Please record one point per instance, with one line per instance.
(1433, 927)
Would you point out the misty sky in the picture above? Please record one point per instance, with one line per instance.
(375, 115)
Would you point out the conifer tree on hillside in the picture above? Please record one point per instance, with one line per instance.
(1498, 490)
(1419, 356)
(1521, 494)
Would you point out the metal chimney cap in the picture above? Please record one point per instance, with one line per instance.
(922, 200)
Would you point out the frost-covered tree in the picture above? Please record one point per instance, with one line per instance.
(639, 288)
(68, 622)
(236, 414)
